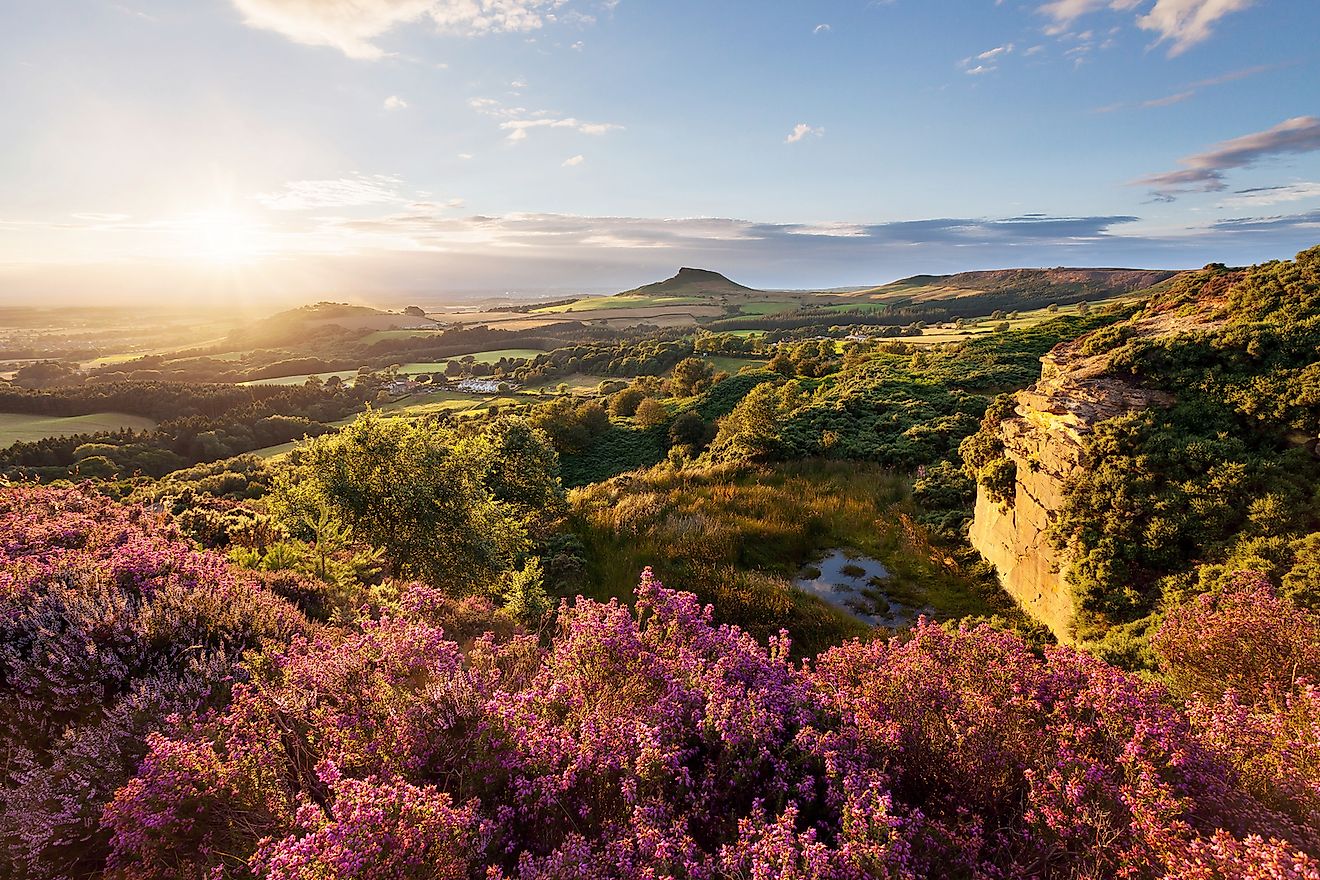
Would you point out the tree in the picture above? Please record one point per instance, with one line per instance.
(690, 430)
(522, 471)
(1083, 308)
(691, 376)
(625, 402)
(651, 413)
(415, 311)
(414, 491)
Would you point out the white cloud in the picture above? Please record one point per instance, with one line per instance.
(518, 121)
(1273, 195)
(518, 128)
(1006, 49)
(1184, 23)
(394, 102)
(352, 26)
(987, 61)
(1180, 23)
(821, 29)
(344, 192)
(574, 161)
(801, 131)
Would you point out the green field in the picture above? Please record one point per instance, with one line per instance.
(732, 364)
(773, 307)
(21, 427)
(597, 303)
(345, 375)
(489, 357)
(942, 336)
(481, 357)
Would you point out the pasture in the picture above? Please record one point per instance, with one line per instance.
(25, 428)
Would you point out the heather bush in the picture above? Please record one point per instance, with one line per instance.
(109, 622)
(1249, 660)
(650, 742)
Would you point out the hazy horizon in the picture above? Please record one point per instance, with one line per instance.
(260, 153)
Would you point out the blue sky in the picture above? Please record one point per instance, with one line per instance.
(383, 149)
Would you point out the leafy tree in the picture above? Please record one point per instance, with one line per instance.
(651, 413)
(691, 376)
(625, 402)
(415, 491)
(690, 430)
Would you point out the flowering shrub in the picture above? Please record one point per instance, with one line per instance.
(165, 716)
(651, 743)
(1249, 661)
(108, 623)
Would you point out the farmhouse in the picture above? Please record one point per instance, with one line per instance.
(479, 386)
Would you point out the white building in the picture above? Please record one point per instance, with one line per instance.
(478, 386)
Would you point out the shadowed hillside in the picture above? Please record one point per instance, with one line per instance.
(691, 282)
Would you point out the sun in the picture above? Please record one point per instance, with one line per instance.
(222, 238)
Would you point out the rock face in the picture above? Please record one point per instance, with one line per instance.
(1045, 440)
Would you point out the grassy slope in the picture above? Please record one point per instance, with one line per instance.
(21, 427)
(736, 536)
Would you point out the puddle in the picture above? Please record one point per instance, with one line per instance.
(855, 584)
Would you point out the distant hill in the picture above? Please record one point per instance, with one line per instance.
(691, 282)
(296, 324)
(1065, 284)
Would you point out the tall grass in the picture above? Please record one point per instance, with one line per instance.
(737, 534)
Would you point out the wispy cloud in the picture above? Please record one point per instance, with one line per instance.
(353, 26)
(343, 192)
(821, 29)
(518, 128)
(1205, 171)
(394, 102)
(1184, 23)
(1190, 90)
(802, 131)
(1180, 23)
(518, 121)
(574, 161)
(987, 61)
(1273, 195)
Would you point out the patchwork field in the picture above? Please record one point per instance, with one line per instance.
(733, 364)
(25, 428)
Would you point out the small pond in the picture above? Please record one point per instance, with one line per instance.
(856, 584)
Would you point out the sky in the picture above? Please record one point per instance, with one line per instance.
(255, 151)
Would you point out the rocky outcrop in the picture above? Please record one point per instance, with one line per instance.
(1045, 440)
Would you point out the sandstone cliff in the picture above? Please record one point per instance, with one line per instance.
(1045, 440)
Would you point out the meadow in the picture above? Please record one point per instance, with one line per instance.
(736, 536)
(21, 427)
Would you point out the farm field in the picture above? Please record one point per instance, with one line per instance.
(487, 357)
(344, 375)
(26, 428)
(731, 364)
(411, 369)
(596, 303)
(940, 336)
